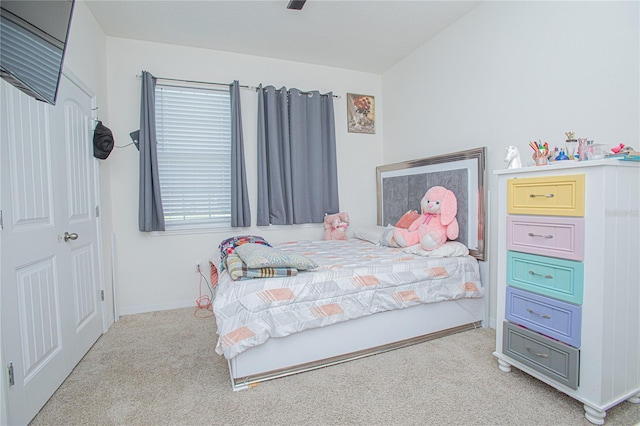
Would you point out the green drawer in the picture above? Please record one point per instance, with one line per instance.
(558, 278)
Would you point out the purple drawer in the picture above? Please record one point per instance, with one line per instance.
(551, 317)
(561, 237)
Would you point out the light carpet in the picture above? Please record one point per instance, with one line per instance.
(161, 369)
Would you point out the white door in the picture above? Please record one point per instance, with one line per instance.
(51, 309)
(76, 188)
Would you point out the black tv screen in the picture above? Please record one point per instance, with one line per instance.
(33, 39)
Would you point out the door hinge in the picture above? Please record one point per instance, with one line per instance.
(12, 380)
(1, 222)
(102, 295)
(97, 211)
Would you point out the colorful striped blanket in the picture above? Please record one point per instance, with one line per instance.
(238, 270)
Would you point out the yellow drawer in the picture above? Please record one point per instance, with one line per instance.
(549, 195)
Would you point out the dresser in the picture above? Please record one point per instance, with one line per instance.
(568, 279)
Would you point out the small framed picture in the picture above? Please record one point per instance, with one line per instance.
(361, 113)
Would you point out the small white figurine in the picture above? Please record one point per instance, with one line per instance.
(513, 158)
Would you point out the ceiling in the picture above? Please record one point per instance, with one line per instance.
(369, 36)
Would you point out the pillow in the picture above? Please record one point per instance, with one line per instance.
(371, 234)
(386, 239)
(227, 246)
(407, 219)
(261, 256)
(448, 249)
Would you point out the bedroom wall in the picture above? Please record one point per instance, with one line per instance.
(510, 72)
(155, 272)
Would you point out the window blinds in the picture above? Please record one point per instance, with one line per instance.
(193, 128)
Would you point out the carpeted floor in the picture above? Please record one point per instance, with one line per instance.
(160, 369)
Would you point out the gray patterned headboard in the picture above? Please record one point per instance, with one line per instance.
(401, 186)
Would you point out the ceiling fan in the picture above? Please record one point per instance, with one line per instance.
(296, 4)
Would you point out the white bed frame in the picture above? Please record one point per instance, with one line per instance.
(357, 338)
(384, 331)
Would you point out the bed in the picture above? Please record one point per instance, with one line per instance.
(364, 297)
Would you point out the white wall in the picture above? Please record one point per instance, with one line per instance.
(510, 72)
(86, 52)
(157, 272)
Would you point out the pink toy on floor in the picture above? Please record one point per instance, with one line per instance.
(436, 224)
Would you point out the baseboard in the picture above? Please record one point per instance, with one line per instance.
(141, 309)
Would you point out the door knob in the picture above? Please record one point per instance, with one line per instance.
(72, 236)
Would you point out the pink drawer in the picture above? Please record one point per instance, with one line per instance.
(561, 237)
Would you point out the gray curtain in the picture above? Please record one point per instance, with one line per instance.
(240, 210)
(297, 170)
(150, 214)
(275, 197)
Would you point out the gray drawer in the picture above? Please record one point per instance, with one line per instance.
(553, 359)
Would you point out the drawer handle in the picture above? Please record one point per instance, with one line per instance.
(531, 234)
(545, 316)
(537, 354)
(541, 195)
(540, 275)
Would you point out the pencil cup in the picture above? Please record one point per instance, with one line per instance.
(541, 161)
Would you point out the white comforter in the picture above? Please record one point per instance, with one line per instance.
(354, 278)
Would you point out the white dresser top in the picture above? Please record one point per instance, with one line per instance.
(569, 164)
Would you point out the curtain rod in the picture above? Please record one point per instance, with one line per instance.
(221, 84)
(200, 82)
(304, 93)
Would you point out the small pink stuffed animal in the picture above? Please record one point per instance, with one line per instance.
(335, 226)
(436, 224)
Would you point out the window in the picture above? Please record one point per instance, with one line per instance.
(193, 128)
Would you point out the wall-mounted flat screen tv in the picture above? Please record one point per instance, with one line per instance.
(33, 39)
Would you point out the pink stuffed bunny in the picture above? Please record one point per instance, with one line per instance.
(335, 226)
(436, 224)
